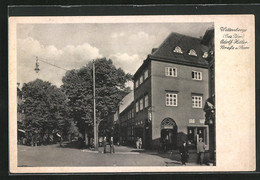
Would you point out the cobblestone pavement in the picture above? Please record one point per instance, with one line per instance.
(54, 155)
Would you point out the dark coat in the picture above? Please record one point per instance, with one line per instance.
(104, 143)
(184, 153)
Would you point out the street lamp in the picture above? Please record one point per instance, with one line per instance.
(37, 69)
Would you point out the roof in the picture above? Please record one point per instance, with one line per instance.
(126, 101)
(186, 43)
(208, 36)
(165, 52)
(140, 69)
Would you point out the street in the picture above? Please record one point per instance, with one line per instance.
(54, 155)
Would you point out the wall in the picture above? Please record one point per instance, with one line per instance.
(185, 86)
(140, 92)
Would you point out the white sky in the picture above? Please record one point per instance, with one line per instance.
(72, 46)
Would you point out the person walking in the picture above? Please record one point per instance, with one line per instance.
(60, 139)
(112, 147)
(100, 140)
(140, 143)
(200, 151)
(137, 143)
(184, 153)
(105, 144)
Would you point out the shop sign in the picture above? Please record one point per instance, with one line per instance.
(167, 127)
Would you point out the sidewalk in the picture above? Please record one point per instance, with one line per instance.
(69, 155)
(170, 159)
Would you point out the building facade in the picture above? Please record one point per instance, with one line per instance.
(209, 108)
(170, 89)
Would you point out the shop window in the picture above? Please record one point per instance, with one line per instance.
(194, 133)
(191, 135)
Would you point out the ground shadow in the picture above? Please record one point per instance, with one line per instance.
(174, 156)
(72, 145)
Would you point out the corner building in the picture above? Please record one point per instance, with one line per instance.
(170, 89)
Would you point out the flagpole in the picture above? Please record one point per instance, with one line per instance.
(94, 104)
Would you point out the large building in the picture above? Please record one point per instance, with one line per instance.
(209, 108)
(170, 89)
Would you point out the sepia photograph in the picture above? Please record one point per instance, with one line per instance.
(115, 94)
(118, 94)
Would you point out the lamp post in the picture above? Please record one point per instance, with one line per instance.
(37, 69)
(37, 65)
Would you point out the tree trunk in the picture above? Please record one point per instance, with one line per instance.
(86, 138)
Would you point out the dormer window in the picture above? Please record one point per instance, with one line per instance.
(192, 52)
(178, 50)
(205, 55)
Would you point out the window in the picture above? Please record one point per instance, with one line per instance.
(170, 71)
(133, 112)
(202, 121)
(197, 101)
(136, 84)
(177, 50)
(141, 79)
(141, 104)
(192, 52)
(205, 55)
(171, 99)
(146, 101)
(137, 106)
(196, 75)
(191, 121)
(129, 115)
(146, 74)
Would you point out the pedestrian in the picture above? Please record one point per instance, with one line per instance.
(200, 151)
(140, 143)
(112, 148)
(162, 146)
(100, 141)
(105, 144)
(59, 138)
(137, 143)
(184, 153)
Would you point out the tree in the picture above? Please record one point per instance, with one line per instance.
(45, 110)
(110, 89)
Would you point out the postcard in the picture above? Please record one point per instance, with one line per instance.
(116, 94)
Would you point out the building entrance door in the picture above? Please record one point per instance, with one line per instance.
(169, 133)
(194, 133)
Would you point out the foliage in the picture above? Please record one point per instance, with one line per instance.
(45, 109)
(110, 89)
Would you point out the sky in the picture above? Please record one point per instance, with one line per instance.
(71, 46)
